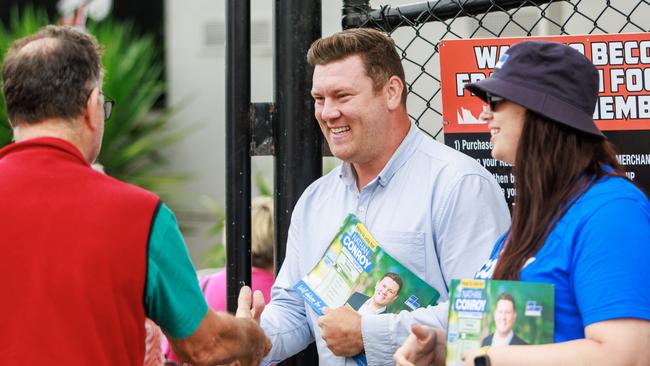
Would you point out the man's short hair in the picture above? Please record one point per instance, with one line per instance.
(376, 48)
(395, 277)
(50, 74)
(508, 297)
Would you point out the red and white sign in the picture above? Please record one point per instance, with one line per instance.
(622, 60)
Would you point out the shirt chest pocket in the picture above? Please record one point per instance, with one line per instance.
(408, 247)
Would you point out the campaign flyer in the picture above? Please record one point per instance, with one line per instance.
(491, 313)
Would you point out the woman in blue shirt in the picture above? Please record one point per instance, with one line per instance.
(577, 222)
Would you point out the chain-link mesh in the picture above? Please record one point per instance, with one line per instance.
(417, 29)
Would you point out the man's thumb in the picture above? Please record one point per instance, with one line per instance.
(258, 304)
(420, 332)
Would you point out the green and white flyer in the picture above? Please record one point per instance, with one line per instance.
(355, 271)
(493, 313)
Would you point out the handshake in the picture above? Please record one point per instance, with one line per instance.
(248, 312)
(223, 339)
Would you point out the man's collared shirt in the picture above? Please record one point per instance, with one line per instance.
(432, 208)
(502, 341)
(365, 308)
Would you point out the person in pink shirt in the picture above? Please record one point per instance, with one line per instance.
(262, 245)
(214, 285)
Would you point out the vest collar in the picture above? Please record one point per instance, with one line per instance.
(44, 142)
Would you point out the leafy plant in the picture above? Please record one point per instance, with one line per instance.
(20, 25)
(135, 133)
(215, 257)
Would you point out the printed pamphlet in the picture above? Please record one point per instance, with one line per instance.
(355, 271)
(491, 312)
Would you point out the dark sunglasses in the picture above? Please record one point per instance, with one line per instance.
(493, 101)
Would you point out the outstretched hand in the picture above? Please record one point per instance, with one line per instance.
(425, 346)
(244, 307)
(249, 309)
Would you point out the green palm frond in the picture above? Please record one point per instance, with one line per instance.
(215, 257)
(134, 136)
(21, 24)
(136, 133)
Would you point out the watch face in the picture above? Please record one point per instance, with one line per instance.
(483, 360)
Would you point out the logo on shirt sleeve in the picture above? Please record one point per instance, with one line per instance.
(485, 273)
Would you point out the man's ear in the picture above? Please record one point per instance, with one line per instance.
(394, 88)
(92, 113)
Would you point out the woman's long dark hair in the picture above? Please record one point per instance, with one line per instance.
(554, 166)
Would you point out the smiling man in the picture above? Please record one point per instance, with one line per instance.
(505, 318)
(432, 208)
(386, 291)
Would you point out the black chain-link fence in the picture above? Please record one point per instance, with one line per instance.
(417, 28)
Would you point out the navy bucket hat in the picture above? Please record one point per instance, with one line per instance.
(549, 78)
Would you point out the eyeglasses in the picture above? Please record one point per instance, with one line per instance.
(108, 106)
(493, 101)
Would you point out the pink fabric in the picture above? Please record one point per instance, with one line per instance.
(215, 293)
(153, 355)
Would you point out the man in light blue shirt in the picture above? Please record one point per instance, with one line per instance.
(432, 208)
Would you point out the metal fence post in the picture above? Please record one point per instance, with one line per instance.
(298, 157)
(238, 141)
(354, 13)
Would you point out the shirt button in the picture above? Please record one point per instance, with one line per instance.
(360, 208)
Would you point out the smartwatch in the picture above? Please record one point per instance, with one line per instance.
(482, 359)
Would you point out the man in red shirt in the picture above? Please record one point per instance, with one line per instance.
(85, 256)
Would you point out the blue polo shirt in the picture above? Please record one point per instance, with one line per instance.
(598, 258)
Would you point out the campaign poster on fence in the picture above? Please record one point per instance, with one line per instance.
(622, 111)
